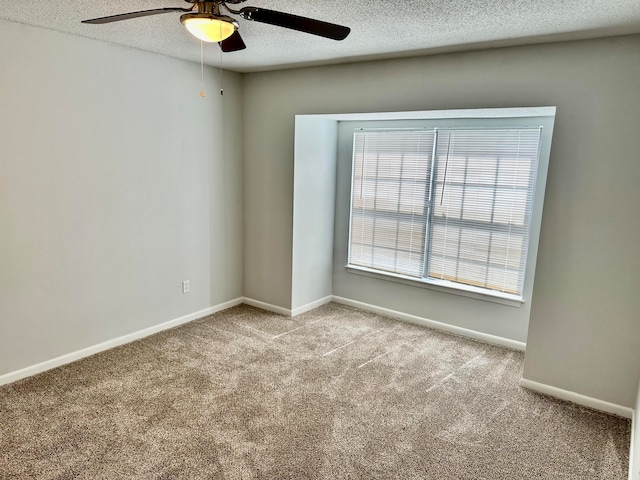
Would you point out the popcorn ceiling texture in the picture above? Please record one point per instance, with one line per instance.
(380, 29)
(335, 393)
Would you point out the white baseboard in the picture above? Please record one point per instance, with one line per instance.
(577, 398)
(484, 337)
(287, 311)
(634, 466)
(116, 342)
(311, 305)
(267, 306)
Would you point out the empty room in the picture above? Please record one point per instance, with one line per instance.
(281, 239)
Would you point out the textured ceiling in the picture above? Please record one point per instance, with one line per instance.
(380, 29)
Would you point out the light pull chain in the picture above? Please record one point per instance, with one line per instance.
(202, 92)
(221, 87)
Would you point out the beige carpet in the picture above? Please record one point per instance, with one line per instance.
(335, 393)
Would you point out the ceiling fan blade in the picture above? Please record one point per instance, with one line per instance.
(141, 13)
(233, 43)
(295, 22)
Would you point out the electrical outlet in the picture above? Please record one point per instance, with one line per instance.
(185, 286)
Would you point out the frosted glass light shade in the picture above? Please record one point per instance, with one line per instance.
(207, 27)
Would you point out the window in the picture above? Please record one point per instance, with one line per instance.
(447, 206)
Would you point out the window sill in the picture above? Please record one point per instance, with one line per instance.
(465, 291)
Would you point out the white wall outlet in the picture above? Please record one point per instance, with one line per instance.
(185, 286)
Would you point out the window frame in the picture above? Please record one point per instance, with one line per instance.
(542, 118)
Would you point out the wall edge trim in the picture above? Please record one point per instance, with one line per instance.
(115, 342)
(577, 398)
(425, 322)
(633, 461)
(311, 305)
(267, 306)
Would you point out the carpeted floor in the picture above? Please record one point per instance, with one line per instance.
(335, 393)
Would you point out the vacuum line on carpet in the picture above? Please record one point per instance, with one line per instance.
(257, 330)
(349, 343)
(453, 373)
(295, 329)
(383, 354)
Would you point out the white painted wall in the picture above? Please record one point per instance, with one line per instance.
(313, 210)
(113, 189)
(583, 333)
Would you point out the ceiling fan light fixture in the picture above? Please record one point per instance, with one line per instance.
(208, 27)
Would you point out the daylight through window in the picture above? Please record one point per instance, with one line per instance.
(450, 206)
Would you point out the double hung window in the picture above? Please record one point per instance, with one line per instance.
(446, 206)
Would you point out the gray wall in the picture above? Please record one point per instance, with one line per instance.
(314, 193)
(583, 330)
(113, 189)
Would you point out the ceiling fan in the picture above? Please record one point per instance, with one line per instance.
(204, 21)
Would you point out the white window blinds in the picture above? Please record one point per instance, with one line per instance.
(483, 198)
(390, 191)
(461, 217)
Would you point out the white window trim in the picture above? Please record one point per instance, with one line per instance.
(440, 286)
(540, 116)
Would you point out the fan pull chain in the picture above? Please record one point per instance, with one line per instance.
(202, 92)
(221, 88)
